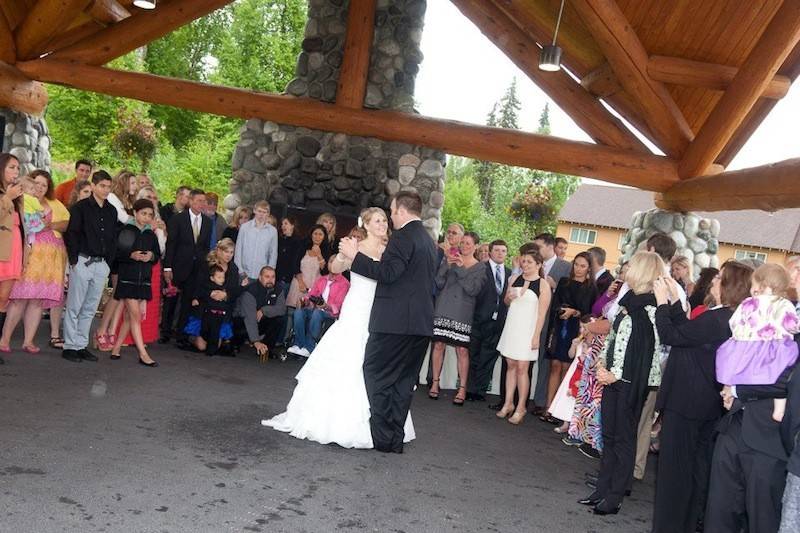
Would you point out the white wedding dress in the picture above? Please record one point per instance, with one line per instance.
(329, 403)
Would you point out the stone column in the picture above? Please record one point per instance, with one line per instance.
(696, 237)
(329, 171)
(27, 138)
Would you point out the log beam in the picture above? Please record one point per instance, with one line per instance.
(74, 35)
(43, 22)
(357, 45)
(628, 59)
(20, 93)
(137, 30)
(108, 11)
(768, 187)
(510, 147)
(601, 81)
(679, 71)
(587, 111)
(8, 50)
(776, 43)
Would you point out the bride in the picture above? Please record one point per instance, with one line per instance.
(329, 403)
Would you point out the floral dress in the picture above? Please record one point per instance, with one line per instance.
(585, 423)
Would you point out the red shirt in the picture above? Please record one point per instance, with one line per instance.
(64, 191)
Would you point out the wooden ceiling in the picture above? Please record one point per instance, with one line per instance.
(696, 77)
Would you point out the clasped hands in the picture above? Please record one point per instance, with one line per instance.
(665, 290)
(348, 247)
(605, 377)
(142, 256)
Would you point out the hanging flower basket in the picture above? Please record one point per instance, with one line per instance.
(534, 203)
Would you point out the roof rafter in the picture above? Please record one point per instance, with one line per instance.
(777, 41)
(43, 22)
(108, 11)
(8, 50)
(584, 109)
(511, 147)
(628, 59)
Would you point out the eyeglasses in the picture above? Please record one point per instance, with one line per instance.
(451, 232)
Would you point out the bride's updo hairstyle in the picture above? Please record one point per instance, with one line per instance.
(367, 214)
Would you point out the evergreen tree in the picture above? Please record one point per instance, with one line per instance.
(544, 120)
(509, 108)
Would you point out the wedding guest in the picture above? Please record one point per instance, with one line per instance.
(681, 271)
(137, 251)
(290, 252)
(182, 199)
(602, 277)
(689, 397)
(604, 300)
(11, 231)
(528, 299)
(488, 321)
(563, 405)
(123, 193)
(216, 289)
(328, 220)
(323, 302)
(555, 269)
(218, 222)
(83, 172)
(188, 235)
(82, 189)
(631, 356)
(790, 511)
(91, 240)
(459, 280)
(261, 308)
(357, 233)
(42, 283)
(242, 214)
(452, 241)
(561, 247)
(312, 263)
(482, 253)
(793, 268)
(572, 299)
(257, 244)
(144, 181)
(701, 289)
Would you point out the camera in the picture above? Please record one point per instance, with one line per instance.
(316, 300)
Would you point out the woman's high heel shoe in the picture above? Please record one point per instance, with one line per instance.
(459, 400)
(516, 418)
(151, 364)
(434, 395)
(102, 343)
(503, 413)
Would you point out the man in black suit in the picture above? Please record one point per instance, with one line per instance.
(167, 211)
(188, 235)
(401, 322)
(487, 322)
(602, 277)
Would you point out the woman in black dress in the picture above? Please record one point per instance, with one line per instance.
(290, 251)
(137, 251)
(242, 214)
(689, 400)
(572, 299)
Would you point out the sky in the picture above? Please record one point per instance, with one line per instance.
(464, 74)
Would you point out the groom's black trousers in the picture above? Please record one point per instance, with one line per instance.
(391, 370)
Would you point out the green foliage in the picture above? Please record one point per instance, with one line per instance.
(462, 204)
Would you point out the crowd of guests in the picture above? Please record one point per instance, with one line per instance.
(704, 361)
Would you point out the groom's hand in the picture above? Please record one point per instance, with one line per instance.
(348, 247)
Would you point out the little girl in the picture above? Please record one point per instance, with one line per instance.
(763, 327)
(32, 212)
(563, 403)
(211, 325)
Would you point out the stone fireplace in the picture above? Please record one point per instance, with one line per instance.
(327, 171)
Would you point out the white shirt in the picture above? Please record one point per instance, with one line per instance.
(548, 264)
(407, 221)
(599, 273)
(122, 215)
(327, 291)
(196, 218)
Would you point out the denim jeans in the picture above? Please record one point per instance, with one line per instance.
(86, 284)
(305, 335)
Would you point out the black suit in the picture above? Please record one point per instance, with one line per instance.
(183, 255)
(748, 471)
(690, 407)
(400, 327)
(487, 325)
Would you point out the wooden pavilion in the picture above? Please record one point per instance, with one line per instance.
(695, 77)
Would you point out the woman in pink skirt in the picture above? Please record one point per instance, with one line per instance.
(11, 232)
(41, 285)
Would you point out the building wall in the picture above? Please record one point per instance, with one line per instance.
(608, 239)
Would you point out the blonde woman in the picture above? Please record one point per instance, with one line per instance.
(632, 365)
(242, 214)
(681, 271)
(328, 220)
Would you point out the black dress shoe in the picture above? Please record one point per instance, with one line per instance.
(163, 340)
(591, 483)
(470, 397)
(71, 355)
(478, 397)
(495, 406)
(593, 499)
(87, 355)
(602, 509)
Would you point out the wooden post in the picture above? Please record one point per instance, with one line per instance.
(137, 30)
(19, 93)
(768, 187)
(357, 45)
(586, 110)
(779, 38)
(628, 59)
(44, 20)
(511, 147)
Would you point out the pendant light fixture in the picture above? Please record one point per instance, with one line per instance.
(145, 4)
(550, 56)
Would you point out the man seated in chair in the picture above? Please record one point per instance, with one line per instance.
(260, 309)
(322, 303)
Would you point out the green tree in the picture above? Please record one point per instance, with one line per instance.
(462, 195)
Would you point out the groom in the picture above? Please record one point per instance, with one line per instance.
(401, 323)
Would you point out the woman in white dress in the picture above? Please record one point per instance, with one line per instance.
(528, 300)
(329, 403)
